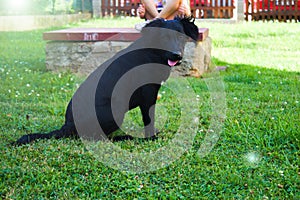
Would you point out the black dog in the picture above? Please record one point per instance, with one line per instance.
(137, 71)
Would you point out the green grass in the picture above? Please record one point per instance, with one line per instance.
(256, 157)
(270, 45)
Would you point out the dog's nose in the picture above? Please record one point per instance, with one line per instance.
(177, 55)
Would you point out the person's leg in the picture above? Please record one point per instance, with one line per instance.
(148, 9)
(170, 9)
(174, 8)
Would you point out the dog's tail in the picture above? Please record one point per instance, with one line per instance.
(67, 130)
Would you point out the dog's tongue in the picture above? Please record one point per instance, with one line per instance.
(172, 63)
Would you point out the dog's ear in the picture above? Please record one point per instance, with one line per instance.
(190, 29)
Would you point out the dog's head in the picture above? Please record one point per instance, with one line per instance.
(171, 35)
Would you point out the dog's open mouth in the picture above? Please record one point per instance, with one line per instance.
(172, 63)
(174, 59)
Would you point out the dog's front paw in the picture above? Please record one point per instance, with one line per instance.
(150, 136)
(156, 131)
(154, 137)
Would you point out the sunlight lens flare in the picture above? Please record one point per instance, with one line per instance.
(17, 5)
(252, 159)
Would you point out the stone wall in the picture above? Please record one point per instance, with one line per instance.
(85, 57)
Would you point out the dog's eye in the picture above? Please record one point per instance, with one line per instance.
(181, 37)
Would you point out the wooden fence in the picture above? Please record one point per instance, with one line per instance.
(119, 7)
(282, 10)
(199, 8)
(212, 8)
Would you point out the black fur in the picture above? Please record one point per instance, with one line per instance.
(145, 96)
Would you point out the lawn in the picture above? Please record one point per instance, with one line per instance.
(256, 156)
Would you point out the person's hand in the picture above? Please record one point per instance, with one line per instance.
(184, 9)
(141, 11)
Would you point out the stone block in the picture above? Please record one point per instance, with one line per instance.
(83, 47)
(85, 57)
(196, 59)
(93, 61)
(101, 47)
(118, 46)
